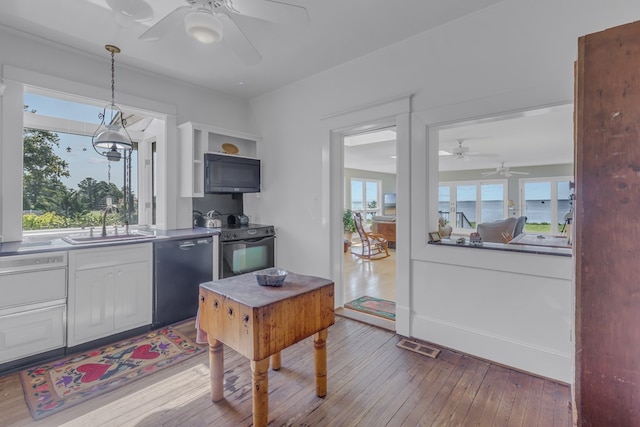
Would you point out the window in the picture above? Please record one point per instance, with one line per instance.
(491, 168)
(545, 203)
(365, 197)
(67, 184)
(465, 204)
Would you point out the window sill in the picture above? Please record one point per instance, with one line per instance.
(507, 247)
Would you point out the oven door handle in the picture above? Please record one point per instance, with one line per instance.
(254, 240)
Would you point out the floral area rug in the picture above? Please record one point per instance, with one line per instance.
(52, 387)
(376, 306)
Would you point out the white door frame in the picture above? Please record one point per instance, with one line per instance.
(391, 112)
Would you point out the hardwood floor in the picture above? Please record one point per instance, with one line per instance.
(373, 278)
(371, 382)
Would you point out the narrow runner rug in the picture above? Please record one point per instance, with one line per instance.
(52, 387)
(375, 306)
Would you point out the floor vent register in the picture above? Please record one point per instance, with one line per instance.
(418, 348)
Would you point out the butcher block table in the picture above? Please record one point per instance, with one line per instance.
(260, 321)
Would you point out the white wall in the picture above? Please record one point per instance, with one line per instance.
(65, 69)
(513, 56)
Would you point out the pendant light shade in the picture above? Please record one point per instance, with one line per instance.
(203, 26)
(110, 134)
(112, 137)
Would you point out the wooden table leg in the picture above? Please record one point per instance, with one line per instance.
(216, 370)
(320, 356)
(276, 361)
(260, 384)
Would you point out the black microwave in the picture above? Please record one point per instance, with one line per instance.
(224, 173)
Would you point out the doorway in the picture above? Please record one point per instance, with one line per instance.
(384, 113)
(370, 183)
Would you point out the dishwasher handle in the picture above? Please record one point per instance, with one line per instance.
(185, 246)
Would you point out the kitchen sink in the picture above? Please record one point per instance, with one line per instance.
(84, 239)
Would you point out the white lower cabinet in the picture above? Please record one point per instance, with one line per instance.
(110, 291)
(133, 303)
(33, 296)
(31, 332)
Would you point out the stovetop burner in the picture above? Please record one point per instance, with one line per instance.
(248, 231)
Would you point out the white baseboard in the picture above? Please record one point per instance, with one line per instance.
(524, 356)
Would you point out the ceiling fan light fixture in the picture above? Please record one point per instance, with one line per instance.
(203, 26)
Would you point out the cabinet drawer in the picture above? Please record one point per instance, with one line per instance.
(32, 287)
(31, 332)
(103, 257)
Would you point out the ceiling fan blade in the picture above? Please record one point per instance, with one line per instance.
(137, 10)
(489, 173)
(235, 38)
(518, 173)
(475, 154)
(278, 12)
(166, 24)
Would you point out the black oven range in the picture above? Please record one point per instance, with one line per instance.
(246, 248)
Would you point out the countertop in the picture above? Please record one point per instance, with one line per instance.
(245, 290)
(522, 248)
(42, 244)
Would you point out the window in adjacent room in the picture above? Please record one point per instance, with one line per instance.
(466, 204)
(365, 197)
(546, 201)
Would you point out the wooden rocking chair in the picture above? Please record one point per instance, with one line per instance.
(374, 246)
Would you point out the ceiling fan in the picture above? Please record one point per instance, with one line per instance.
(462, 152)
(504, 171)
(210, 21)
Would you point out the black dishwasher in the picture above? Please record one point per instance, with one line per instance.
(179, 268)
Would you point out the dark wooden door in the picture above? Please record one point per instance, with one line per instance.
(607, 227)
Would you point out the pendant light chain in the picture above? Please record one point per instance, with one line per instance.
(113, 49)
(113, 78)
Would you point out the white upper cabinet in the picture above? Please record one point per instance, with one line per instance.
(196, 140)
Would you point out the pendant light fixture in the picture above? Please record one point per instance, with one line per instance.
(112, 133)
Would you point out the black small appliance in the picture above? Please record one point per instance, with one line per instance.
(231, 174)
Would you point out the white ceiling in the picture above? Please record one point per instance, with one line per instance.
(338, 31)
(539, 137)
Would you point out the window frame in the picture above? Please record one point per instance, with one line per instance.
(365, 210)
(553, 182)
(453, 185)
(143, 193)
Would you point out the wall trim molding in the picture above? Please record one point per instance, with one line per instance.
(405, 97)
(520, 355)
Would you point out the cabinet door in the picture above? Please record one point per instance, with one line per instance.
(91, 302)
(132, 296)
